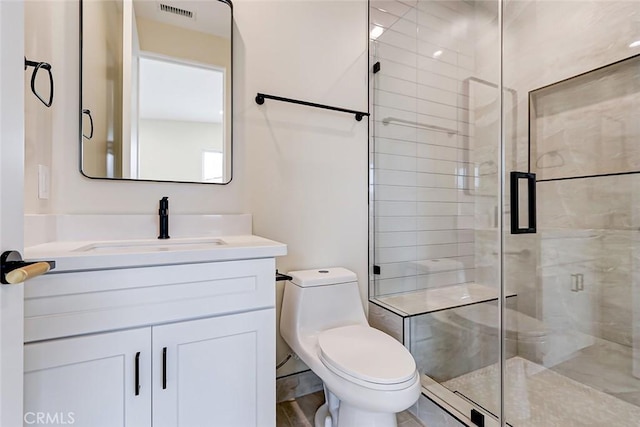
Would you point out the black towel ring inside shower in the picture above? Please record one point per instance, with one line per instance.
(37, 67)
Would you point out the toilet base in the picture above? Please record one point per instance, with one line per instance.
(348, 416)
(322, 418)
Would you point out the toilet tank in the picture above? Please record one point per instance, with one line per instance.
(316, 300)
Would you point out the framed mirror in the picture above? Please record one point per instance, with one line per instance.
(156, 90)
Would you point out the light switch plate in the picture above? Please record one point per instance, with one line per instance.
(44, 182)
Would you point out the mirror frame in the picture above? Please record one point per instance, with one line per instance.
(81, 111)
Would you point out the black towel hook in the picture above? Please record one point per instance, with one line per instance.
(37, 66)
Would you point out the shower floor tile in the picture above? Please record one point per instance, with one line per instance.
(539, 397)
(606, 366)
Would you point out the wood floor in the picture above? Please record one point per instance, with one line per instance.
(300, 412)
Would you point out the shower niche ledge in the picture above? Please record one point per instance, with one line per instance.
(586, 125)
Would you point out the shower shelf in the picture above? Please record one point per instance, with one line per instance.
(426, 301)
(583, 126)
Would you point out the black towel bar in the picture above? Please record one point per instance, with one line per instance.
(260, 97)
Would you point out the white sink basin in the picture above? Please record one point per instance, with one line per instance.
(126, 246)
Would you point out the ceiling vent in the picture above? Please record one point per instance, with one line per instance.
(176, 10)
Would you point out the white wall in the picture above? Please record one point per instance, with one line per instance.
(38, 139)
(172, 149)
(301, 172)
(178, 42)
(307, 167)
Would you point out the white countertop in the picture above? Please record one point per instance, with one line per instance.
(78, 255)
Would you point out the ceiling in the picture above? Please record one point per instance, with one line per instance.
(211, 17)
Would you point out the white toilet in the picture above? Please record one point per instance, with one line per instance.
(368, 376)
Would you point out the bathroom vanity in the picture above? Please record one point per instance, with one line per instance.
(153, 333)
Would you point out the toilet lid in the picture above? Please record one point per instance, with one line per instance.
(367, 354)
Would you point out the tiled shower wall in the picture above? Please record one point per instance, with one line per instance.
(423, 213)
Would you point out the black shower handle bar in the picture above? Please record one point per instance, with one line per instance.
(88, 113)
(37, 66)
(260, 97)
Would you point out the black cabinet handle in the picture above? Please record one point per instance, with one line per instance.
(137, 375)
(88, 113)
(515, 202)
(164, 368)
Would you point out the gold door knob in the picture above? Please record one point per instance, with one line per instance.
(27, 272)
(14, 270)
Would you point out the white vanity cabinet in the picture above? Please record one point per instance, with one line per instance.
(89, 381)
(216, 374)
(202, 336)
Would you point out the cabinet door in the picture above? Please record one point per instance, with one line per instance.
(89, 381)
(215, 372)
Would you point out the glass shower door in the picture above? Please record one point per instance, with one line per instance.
(572, 333)
(435, 191)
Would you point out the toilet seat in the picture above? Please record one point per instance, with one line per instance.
(367, 356)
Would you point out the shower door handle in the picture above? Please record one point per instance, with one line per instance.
(516, 178)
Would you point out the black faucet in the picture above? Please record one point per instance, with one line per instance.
(164, 218)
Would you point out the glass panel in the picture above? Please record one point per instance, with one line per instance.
(573, 323)
(435, 189)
